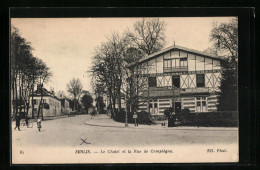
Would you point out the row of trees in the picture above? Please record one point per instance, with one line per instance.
(27, 71)
(75, 89)
(111, 75)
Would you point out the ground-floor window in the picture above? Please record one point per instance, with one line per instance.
(194, 104)
(158, 106)
(201, 104)
(153, 106)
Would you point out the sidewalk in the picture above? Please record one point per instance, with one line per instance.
(105, 121)
(47, 118)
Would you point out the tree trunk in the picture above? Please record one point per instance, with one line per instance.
(20, 93)
(16, 98)
(98, 107)
(32, 102)
(13, 101)
(77, 106)
(110, 106)
(40, 105)
(74, 105)
(119, 98)
(32, 96)
(114, 106)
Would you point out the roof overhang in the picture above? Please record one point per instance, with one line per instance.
(156, 54)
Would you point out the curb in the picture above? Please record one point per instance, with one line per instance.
(167, 128)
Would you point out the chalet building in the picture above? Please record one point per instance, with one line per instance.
(51, 104)
(178, 77)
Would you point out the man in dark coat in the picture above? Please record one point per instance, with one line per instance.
(27, 121)
(17, 120)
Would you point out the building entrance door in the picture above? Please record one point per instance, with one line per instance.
(155, 106)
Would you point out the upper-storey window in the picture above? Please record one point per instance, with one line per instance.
(167, 64)
(200, 80)
(183, 62)
(152, 81)
(175, 64)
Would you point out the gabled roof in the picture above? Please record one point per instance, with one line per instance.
(148, 57)
(45, 92)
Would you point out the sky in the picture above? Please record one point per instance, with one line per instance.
(67, 45)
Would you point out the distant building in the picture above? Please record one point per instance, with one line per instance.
(65, 106)
(51, 105)
(178, 77)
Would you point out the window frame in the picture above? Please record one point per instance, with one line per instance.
(182, 61)
(152, 82)
(168, 62)
(199, 84)
(179, 79)
(201, 100)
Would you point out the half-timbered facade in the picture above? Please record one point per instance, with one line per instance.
(178, 77)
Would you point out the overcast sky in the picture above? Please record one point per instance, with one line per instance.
(67, 45)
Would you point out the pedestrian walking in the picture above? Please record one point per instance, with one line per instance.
(136, 119)
(39, 122)
(27, 121)
(17, 121)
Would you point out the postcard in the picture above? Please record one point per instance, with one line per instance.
(124, 90)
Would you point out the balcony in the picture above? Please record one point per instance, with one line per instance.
(161, 91)
(200, 90)
(175, 69)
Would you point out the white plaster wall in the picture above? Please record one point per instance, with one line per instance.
(191, 62)
(199, 63)
(208, 64)
(175, 54)
(216, 64)
(159, 62)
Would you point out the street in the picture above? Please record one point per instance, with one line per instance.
(103, 131)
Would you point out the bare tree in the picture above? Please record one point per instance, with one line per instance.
(108, 68)
(225, 37)
(26, 72)
(44, 76)
(74, 87)
(135, 85)
(20, 52)
(148, 35)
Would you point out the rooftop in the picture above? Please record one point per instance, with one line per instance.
(147, 57)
